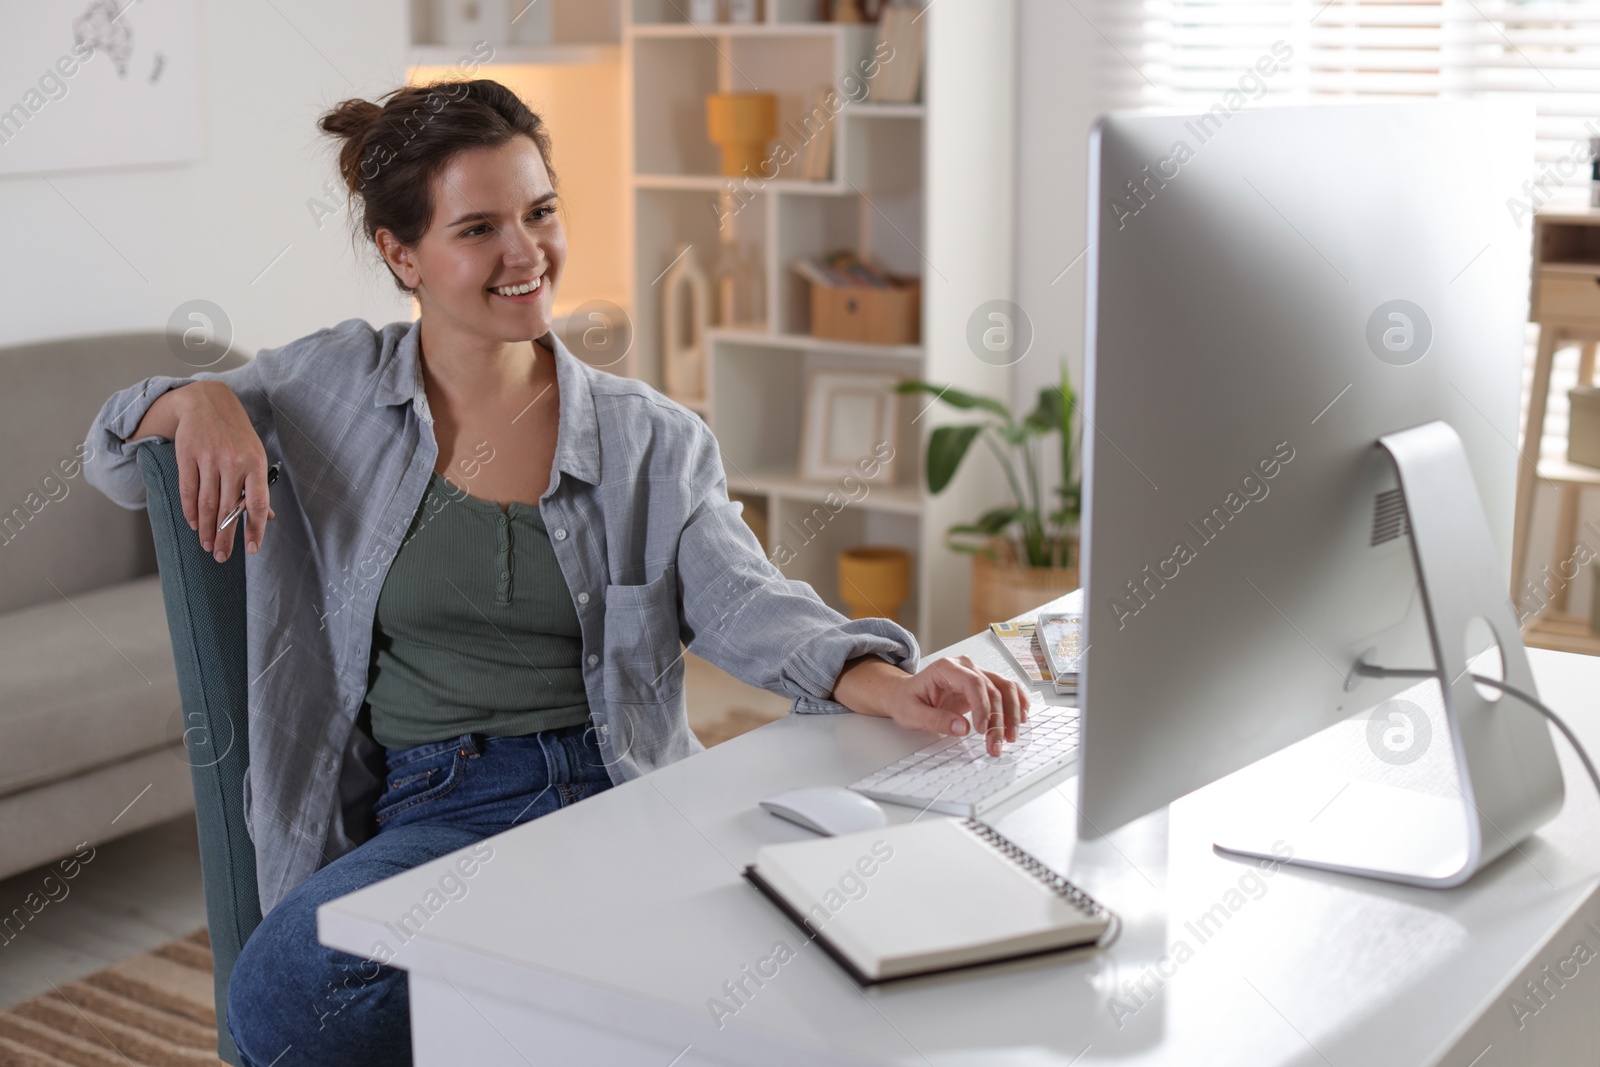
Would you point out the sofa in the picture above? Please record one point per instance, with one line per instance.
(90, 717)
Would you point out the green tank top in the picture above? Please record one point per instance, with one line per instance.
(475, 631)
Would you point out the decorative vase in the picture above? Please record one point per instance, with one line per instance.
(685, 314)
(741, 124)
(1002, 589)
(874, 581)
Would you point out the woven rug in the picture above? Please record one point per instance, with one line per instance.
(154, 1010)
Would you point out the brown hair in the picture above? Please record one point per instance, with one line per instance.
(391, 152)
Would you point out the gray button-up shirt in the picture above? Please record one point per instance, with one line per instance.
(652, 549)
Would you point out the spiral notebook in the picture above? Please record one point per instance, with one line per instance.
(925, 897)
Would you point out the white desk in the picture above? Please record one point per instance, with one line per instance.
(597, 935)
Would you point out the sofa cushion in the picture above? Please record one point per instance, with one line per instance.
(86, 680)
(58, 533)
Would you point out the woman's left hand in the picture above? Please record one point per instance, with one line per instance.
(944, 694)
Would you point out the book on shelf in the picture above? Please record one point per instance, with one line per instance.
(844, 270)
(816, 273)
(818, 159)
(900, 37)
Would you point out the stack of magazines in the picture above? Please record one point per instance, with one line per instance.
(1048, 648)
(1060, 636)
(844, 269)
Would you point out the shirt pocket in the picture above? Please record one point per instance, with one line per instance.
(643, 654)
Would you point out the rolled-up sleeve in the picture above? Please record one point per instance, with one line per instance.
(740, 612)
(111, 459)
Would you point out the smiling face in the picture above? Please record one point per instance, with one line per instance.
(490, 262)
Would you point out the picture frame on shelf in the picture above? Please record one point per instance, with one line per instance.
(848, 414)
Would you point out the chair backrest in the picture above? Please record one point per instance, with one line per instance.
(206, 614)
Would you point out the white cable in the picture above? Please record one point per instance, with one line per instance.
(1371, 671)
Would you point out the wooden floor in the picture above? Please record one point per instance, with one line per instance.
(143, 890)
(137, 892)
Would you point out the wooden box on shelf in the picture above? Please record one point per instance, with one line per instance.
(880, 316)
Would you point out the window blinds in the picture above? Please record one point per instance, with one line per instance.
(1187, 52)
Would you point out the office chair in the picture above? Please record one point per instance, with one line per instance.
(206, 615)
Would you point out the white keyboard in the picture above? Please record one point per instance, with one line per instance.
(957, 776)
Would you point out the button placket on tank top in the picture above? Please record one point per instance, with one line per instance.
(504, 567)
(503, 590)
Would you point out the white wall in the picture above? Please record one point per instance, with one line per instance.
(1058, 82)
(207, 230)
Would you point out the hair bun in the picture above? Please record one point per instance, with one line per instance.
(392, 149)
(351, 121)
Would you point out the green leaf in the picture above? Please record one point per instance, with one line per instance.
(976, 548)
(1069, 406)
(1071, 504)
(957, 398)
(992, 522)
(1016, 435)
(1048, 414)
(947, 447)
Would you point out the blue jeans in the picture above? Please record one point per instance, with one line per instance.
(293, 1001)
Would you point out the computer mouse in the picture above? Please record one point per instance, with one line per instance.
(826, 809)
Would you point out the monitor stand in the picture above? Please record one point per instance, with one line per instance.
(1510, 781)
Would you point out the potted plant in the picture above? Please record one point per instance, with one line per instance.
(1024, 553)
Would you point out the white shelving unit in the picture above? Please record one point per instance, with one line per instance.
(923, 189)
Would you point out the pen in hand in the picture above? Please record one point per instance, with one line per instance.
(272, 476)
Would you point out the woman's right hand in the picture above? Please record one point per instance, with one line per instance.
(219, 454)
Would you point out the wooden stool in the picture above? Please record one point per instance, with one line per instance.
(1566, 305)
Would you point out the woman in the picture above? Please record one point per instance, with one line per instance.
(525, 541)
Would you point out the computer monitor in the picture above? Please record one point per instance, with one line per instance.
(1271, 291)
